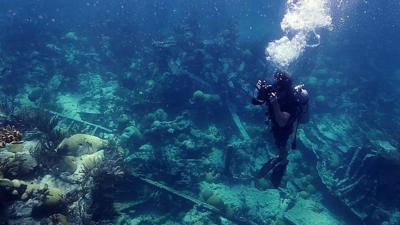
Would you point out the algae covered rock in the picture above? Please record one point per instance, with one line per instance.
(201, 97)
(206, 138)
(91, 160)
(159, 114)
(71, 36)
(131, 135)
(87, 163)
(173, 127)
(54, 197)
(69, 164)
(213, 199)
(58, 218)
(308, 212)
(216, 201)
(123, 120)
(35, 94)
(5, 184)
(241, 198)
(80, 144)
(52, 202)
(195, 216)
(230, 211)
(31, 188)
(15, 148)
(17, 165)
(50, 196)
(206, 194)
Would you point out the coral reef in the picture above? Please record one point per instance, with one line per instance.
(76, 188)
(357, 176)
(17, 165)
(131, 136)
(10, 134)
(310, 212)
(365, 171)
(89, 110)
(200, 97)
(47, 198)
(79, 144)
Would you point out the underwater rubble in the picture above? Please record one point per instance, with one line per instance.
(44, 180)
(361, 172)
(173, 139)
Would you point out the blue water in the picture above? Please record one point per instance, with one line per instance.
(125, 59)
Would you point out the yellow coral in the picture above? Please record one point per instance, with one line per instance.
(6, 183)
(60, 219)
(206, 194)
(15, 148)
(199, 96)
(54, 197)
(29, 190)
(92, 160)
(216, 201)
(17, 183)
(69, 163)
(229, 211)
(79, 144)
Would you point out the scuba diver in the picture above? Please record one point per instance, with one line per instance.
(287, 107)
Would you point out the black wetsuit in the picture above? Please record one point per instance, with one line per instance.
(281, 134)
(276, 167)
(287, 104)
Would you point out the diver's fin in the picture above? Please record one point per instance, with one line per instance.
(267, 167)
(278, 172)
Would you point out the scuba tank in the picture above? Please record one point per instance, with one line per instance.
(302, 99)
(303, 115)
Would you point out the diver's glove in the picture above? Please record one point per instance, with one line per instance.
(260, 93)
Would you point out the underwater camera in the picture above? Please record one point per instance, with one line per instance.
(264, 92)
